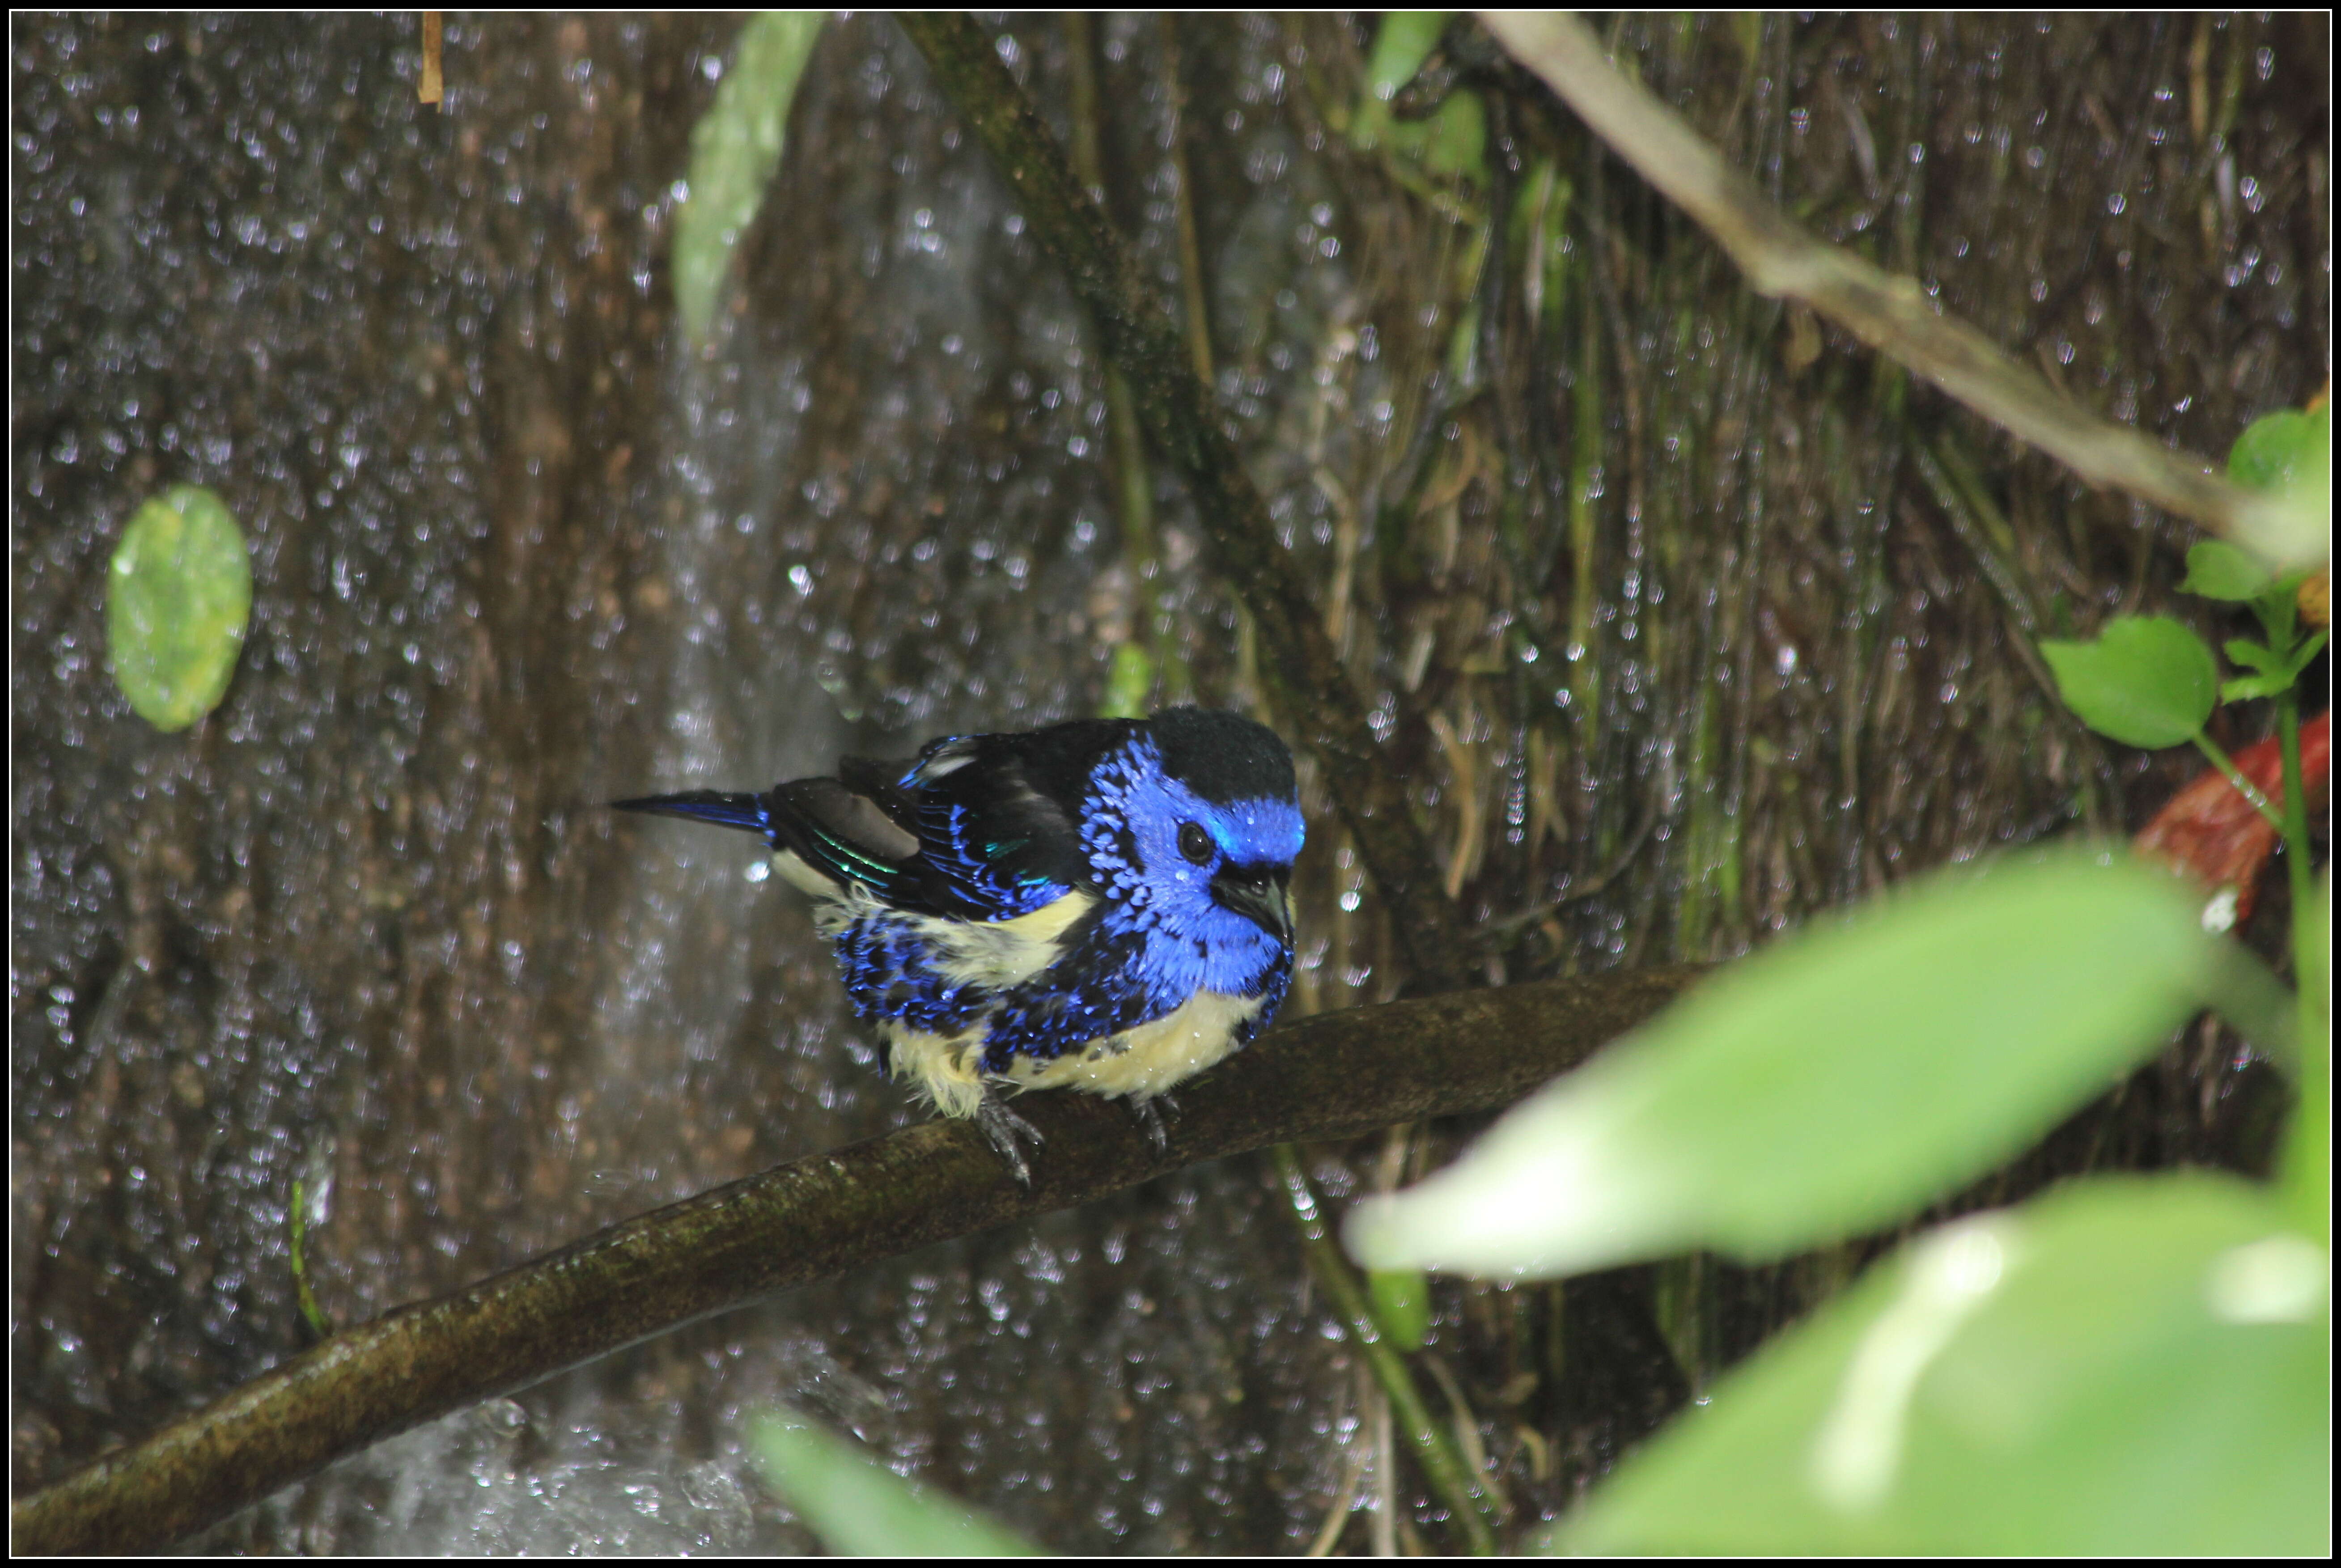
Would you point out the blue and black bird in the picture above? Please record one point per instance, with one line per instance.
(1102, 905)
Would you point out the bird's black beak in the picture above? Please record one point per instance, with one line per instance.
(1259, 894)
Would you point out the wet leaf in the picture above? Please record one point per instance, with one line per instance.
(2147, 681)
(2289, 455)
(1453, 140)
(2128, 1367)
(1402, 43)
(2277, 450)
(2273, 672)
(178, 599)
(1456, 143)
(860, 1508)
(1837, 1082)
(2216, 570)
(735, 149)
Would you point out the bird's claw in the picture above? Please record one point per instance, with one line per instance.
(1001, 1128)
(1149, 1112)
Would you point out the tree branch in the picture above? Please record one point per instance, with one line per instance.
(1889, 313)
(1312, 692)
(1328, 1076)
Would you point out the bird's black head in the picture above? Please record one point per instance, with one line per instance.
(1223, 757)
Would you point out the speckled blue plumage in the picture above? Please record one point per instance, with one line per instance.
(944, 884)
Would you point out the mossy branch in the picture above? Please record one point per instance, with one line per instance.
(1311, 692)
(1328, 1076)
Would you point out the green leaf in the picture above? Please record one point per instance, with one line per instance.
(1401, 1298)
(1403, 42)
(2253, 688)
(735, 149)
(1456, 139)
(2289, 455)
(178, 599)
(1453, 141)
(2252, 655)
(2294, 526)
(860, 1508)
(2216, 570)
(2129, 1366)
(2276, 449)
(2276, 672)
(2277, 608)
(2147, 681)
(2305, 1165)
(1128, 682)
(1837, 1082)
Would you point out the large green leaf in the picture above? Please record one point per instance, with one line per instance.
(860, 1508)
(2306, 1163)
(735, 149)
(1837, 1082)
(178, 599)
(2130, 1367)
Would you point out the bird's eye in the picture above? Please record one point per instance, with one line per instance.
(1194, 843)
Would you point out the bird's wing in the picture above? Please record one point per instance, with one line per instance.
(999, 820)
(843, 836)
(880, 782)
(848, 837)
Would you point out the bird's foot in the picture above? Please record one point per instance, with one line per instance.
(1149, 1112)
(1001, 1128)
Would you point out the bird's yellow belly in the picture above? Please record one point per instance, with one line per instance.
(1138, 1063)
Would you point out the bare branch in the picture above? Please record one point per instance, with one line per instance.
(1889, 313)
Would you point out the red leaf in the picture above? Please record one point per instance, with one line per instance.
(2210, 832)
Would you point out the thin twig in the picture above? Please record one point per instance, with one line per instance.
(1191, 250)
(1345, 1501)
(431, 89)
(1311, 690)
(1455, 1482)
(1889, 313)
(1133, 476)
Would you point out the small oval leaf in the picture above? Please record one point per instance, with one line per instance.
(2288, 456)
(178, 599)
(2271, 453)
(2147, 681)
(2216, 570)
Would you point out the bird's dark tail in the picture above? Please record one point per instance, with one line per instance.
(750, 812)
